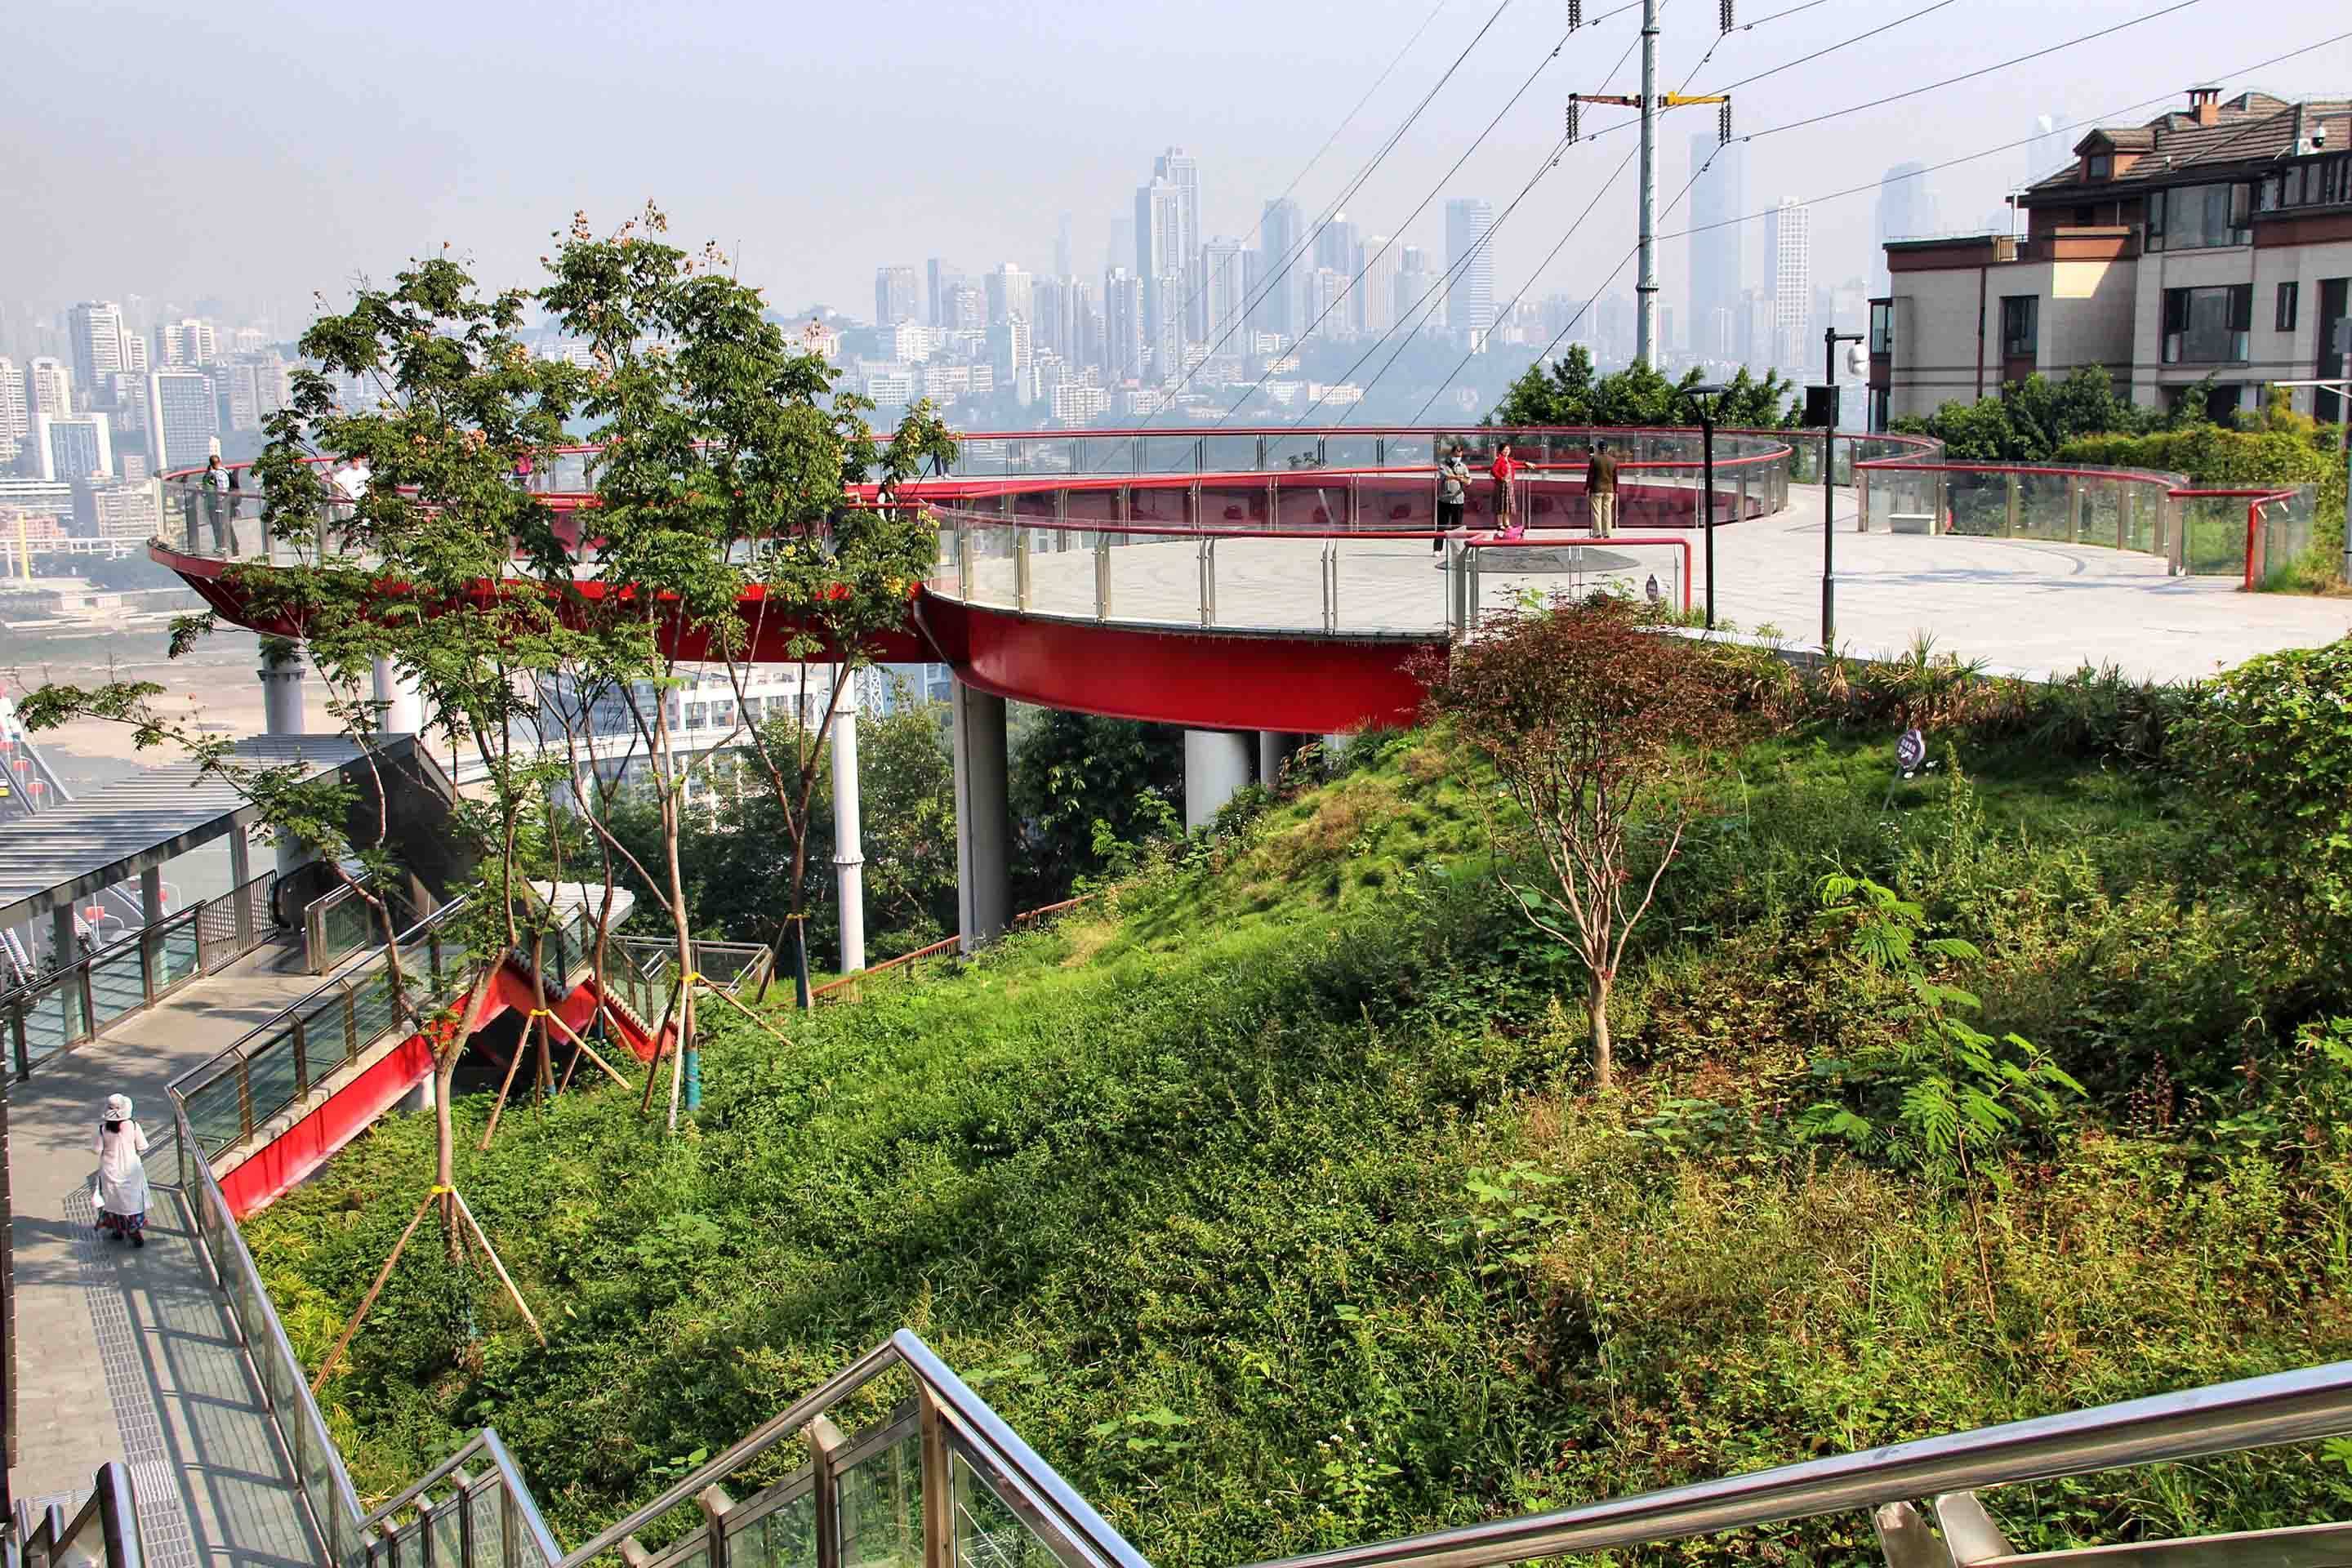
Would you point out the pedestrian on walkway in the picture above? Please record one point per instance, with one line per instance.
(1453, 493)
(1506, 469)
(214, 485)
(1600, 490)
(122, 1190)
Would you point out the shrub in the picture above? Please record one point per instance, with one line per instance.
(2267, 751)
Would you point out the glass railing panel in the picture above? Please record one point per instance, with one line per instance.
(118, 983)
(1351, 451)
(373, 1012)
(1167, 505)
(2214, 531)
(1229, 454)
(269, 1068)
(324, 1044)
(448, 1526)
(783, 1537)
(53, 1017)
(881, 1507)
(1170, 453)
(485, 1513)
(988, 1532)
(213, 1111)
(176, 956)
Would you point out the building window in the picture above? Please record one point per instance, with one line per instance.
(2334, 347)
(2019, 315)
(1882, 327)
(2208, 326)
(2286, 307)
(2099, 166)
(2199, 217)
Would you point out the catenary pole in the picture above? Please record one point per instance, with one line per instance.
(1646, 287)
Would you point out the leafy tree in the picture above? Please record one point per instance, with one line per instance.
(2028, 421)
(1081, 783)
(725, 454)
(1604, 733)
(2266, 749)
(1567, 392)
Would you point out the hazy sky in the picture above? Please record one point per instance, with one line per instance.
(257, 150)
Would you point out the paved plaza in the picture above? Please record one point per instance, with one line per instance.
(2024, 607)
(131, 1354)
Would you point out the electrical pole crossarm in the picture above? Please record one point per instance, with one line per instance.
(1678, 99)
(1622, 99)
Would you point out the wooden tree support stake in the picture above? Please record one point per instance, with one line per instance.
(498, 1106)
(732, 1001)
(581, 1046)
(492, 1254)
(343, 1340)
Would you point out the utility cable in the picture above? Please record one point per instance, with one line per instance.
(1833, 48)
(1250, 306)
(1508, 104)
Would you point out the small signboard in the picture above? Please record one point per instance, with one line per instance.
(1822, 408)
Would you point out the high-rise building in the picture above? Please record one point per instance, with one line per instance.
(1008, 294)
(48, 387)
(1009, 348)
(1164, 327)
(125, 512)
(1417, 302)
(15, 419)
(1718, 241)
(1159, 242)
(1048, 322)
(1281, 230)
(94, 331)
(181, 420)
(188, 344)
(1335, 244)
(1470, 265)
(1906, 211)
(1789, 267)
(894, 294)
(1182, 171)
(74, 447)
(941, 280)
(1376, 295)
(966, 309)
(1224, 282)
(1062, 267)
(1086, 329)
(135, 355)
(1122, 357)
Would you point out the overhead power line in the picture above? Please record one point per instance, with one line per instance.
(2102, 118)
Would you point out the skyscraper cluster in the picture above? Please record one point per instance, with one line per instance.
(1176, 312)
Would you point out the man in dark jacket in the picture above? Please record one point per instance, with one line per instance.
(1600, 490)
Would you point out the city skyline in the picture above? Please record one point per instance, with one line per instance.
(820, 244)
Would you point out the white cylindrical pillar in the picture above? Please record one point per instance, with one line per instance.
(1218, 765)
(403, 708)
(1275, 748)
(281, 693)
(983, 816)
(848, 854)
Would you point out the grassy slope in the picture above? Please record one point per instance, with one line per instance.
(1271, 1207)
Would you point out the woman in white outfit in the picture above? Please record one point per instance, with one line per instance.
(122, 1173)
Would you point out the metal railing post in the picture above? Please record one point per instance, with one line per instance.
(2073, 508)
(963, 560)
(938, 1499)
(300, 1035)
(2016, 505)
(826, 1443)
(1209, 582)
(1102, 576)
(715, 1505)
(1020, 567)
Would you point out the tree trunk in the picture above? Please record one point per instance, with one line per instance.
(1605, 1065)
(445, 1143)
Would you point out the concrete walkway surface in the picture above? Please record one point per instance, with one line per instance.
(131, 1354)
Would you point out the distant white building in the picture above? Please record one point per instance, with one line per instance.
(74, 447)
(1077, 405)
(183, 421)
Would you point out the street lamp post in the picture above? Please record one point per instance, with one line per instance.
(1701, 402)
(1826, 406)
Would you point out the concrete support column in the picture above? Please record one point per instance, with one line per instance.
(848, 853)
(63, 947)
(281, 694)
(150, 894)
(983, 816)
(403, 712)
(1218, 765)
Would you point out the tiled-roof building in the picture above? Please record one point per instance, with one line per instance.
(2214, 240)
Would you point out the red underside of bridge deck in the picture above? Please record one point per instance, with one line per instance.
(1202, 680)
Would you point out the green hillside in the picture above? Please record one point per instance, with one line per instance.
(1270, 1201)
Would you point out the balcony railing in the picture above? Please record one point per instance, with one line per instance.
(74, 1005)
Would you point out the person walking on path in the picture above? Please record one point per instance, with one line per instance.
(1453, 494)
(1506, 469)
(1600, 490)
(121, 1175)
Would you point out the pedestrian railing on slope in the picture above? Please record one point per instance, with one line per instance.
(103, 1530)
(75, 1004)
